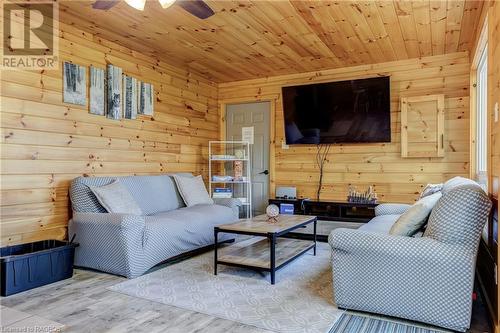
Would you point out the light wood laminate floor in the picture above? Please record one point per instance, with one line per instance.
(83, 304)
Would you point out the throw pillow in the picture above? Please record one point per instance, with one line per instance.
(415, 217)
(115, 198)
(192, 190)
(431, 189)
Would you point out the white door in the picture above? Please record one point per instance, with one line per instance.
(254, 115)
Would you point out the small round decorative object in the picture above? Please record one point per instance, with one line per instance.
(272, 212)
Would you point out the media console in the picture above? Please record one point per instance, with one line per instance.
(330, 214)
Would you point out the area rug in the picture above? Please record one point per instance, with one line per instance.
(355, 323)
(300, 301)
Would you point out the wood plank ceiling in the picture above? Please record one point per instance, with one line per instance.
(251, 39)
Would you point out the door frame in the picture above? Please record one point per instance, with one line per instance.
(272, 99)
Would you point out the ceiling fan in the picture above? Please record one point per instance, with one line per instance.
(197, 8)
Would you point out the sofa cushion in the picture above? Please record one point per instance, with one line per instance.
(192, 190)
(115, 198)
(153, 194)
(207, 214)
(411, 221)
(459, 216)
(170, 233)
(456, 181)
(380, 224)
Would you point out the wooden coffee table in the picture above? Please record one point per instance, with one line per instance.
(270, 250)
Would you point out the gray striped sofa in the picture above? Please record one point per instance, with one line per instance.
(129, 245)
(428, 279)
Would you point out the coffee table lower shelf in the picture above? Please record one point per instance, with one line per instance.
(254, 253)
(269, 249)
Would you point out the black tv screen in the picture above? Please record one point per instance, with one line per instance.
(338, 112)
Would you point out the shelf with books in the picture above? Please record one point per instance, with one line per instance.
(234, 176)
(222, 193)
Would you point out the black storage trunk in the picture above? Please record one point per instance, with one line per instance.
(32, 265)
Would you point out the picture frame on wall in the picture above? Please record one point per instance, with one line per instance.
(146, 99)
(130, 98)
(97, 91)
(114, 92)
(74, 84)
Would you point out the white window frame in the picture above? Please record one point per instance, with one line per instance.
(481, 119)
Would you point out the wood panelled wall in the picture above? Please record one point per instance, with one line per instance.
(395, 179)
(494, 92)
(46, 143)
(494, 97)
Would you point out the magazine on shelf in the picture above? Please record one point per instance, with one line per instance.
(222, 195)
(222, 192)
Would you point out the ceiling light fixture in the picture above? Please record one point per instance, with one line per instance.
(166, 3)
(137, 4)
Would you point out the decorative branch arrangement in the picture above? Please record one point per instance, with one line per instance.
(321, 154)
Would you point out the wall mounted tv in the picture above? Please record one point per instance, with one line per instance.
(352, 111)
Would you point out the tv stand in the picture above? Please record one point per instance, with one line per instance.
(330, 214)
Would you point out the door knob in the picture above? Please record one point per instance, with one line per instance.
(265, 172)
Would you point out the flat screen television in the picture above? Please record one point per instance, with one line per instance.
(352, 111)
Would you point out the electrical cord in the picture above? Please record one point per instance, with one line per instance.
(321, 155)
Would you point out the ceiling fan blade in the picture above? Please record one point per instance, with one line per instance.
(196, 7)
(104, 4)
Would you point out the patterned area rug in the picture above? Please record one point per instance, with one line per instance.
(354, 323)
(300, 301)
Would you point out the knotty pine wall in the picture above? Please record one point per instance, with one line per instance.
(46, 143)
(494, 92)
(395, 179)
(494, 97)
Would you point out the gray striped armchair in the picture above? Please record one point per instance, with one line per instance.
(428, 279)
